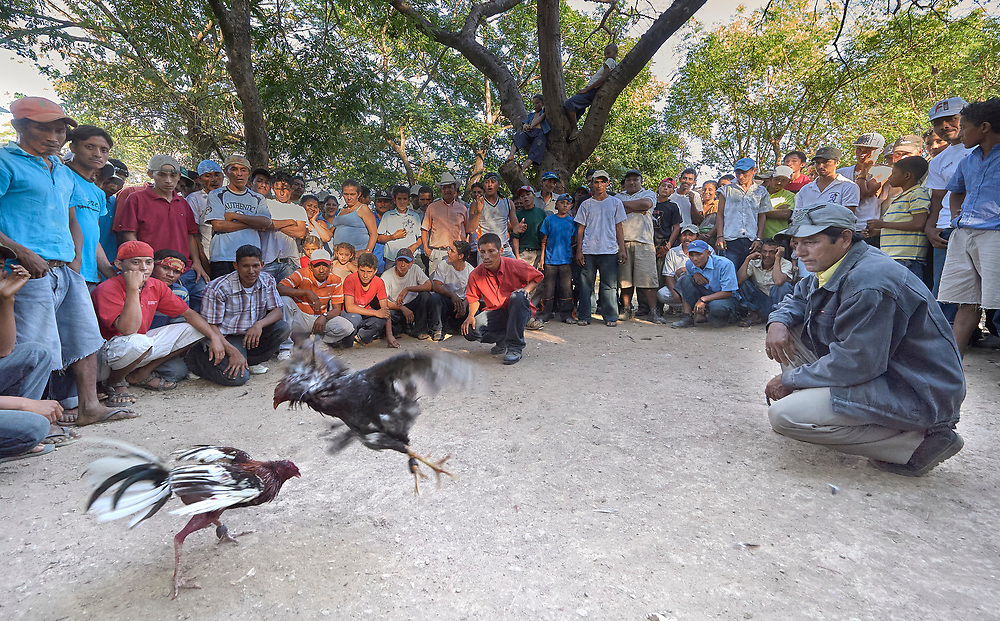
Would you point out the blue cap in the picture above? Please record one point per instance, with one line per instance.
(699, 245)
(745, 163)
(564, 197)
(550, 175)
(208, 166)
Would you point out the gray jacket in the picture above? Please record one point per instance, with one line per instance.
(884, 348)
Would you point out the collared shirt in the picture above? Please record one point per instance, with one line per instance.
(841, 191)
(235, 309)
(742, 209)
(89, 202)
(495, 289)
(906, 245)
(823, 277)
(548, 206)
(638, 225)
(34, 203)
(159, 222)
(391, 222)
(764, 278)
(868, 208)
(278, 244)
(978, 178)
(720, 272)
(939, 173)
(330, 291)
(445, 222)
(674, 260)
(247, 203)
(155, 296)
(600, 219)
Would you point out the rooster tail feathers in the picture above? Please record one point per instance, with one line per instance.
(139, 481)
(416, 373)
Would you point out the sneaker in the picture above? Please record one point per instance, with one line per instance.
(657, 318)
(512, 357)
(437, 336)
(192, 376)
(935, 448)
(535, 324)
(686, 322)
(498, 349)
(284, 354)
(611, 324)
(258, 369)
(569, 320)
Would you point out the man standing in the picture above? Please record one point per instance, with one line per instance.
(446, 220)
(829, 185)
(602, 249)
(496, 214)
(639, 269)
(399, 228)
(210, 177)
(687, 200)
(666, 223)
(280, 242)
(866, 150)
(876, 371)
(796, 160)
(740, 220)
(53, 309)
(503, 287)
(545, 198)
(237, 214)
(945, 116)
(260, 182)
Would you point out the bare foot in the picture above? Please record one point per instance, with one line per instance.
(102, 414)
(69, 416)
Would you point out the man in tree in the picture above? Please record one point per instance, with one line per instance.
(237, 214)
(639, 269)
(740, 220)
(577, 104)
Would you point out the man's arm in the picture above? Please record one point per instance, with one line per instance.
(741, 274)
(675, 231)
(290, 227)
(931, 228)
(720, 220)
(194, 246)
(581, 229)
(130, 319)
(637, 205)
(777, 274)
(103, 265)
(10, 284)
(957, 198)
(77, 234)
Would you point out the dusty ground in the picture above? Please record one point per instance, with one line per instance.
(612, 474)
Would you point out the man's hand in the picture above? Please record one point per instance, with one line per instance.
(756, 245)
(579, 259)
(12, 283)
(461, 306)
(778, 345)
(700, 279)
(252, 338)
(700, 307)
(217, 350)
(780, 252)
(752, 257)
(382, 313)
(237, 363)
(200, 273)
(36, 265)
(313, 300)
(133, 280)
(622, 257)
(468, 324)
(720, 245)
(680, 271)
(402, 295)
(407, 314)
(48, 408)
(521, 227)
(776, 390)
(661, 251)
(319, 324)
(399, 234)
(934, 235)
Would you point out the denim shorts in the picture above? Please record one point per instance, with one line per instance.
(56, 312)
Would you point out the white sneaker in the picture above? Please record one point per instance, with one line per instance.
(192, 376)
(284, 354)
(259, 369)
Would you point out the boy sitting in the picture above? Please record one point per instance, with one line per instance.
(314, 299)
(367, 304)
(408, 290)
(448, 283)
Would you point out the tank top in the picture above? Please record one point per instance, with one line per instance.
(351, 229)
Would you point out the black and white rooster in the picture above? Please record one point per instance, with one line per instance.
(379, 404)
(207, 479)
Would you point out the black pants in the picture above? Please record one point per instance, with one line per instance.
(558, 282)
(419, 307)
(220, 268)
(441, 314)
(271, 337)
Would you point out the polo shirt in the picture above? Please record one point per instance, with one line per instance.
(795, 186)
(939, 173)
(674, 260)
(743, 207)
(841, 191)
(224, 200)
(533, 218)
(278, 244)
(495, 289)
(445, 223)
(394, 283)
(159, 222)
(558, 232)
(548, 206)
(764, 278)
(638, 225)
(600, 219)
(155, 296)
(363, 297)
(34, 203)
(391, 222)
(979, 178)
(330, 291)
(906, 245)
(720, 272)
(89, 202)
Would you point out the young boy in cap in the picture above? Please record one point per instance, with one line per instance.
(782, 202)
(408, 291)
(709, 287)
(314, 301)
(367, 305)
(558, 233)
(237, 214)
(901, 229)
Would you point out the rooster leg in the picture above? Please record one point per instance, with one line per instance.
(417, 475)
(196, 523)
(436, 466)
(222, 532)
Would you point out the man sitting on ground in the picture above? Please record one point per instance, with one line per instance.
(313, 300)
(876, 371)
(503, 286)
(708, 287)
(448, 284)
(674, 263)
(765, 279)
(409, 290)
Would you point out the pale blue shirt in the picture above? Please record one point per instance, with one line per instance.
(720, 272)
(90, 203)
(742, 210)
(34, 203)
(600, 218)
(979, 178)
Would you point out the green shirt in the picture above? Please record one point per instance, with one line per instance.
(533, 218)
(782, 200)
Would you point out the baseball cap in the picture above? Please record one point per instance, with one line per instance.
(205, 166)
(157, 162)
(134, 248)
(909, 141)
(320, 256)
(405, 254)
(187, 174)
(234, 159)
(631, 171)
(550, 175)
(525, 188)
(564, 197)
(260, 171)
(945, 107)
(381, 195)
(690, 228)
(744, 164)
(816, 218)
(7, 253)
(765, 174)
(415, 189)
(39, 109)
(782, 171)
(601, 173)
(491, 175)
(828, 153)
(871, 139)
(699, 245)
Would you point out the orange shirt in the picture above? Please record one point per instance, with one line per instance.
(329, 292)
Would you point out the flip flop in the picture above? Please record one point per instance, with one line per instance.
(160, 387)
(113, 415)
(45, 451)
(63, 420)
(118, 394)
(62, 437)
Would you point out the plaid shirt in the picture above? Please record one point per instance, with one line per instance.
(234, 310)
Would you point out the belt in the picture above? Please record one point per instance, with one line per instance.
(283, 260)
(57, 263)
(440, 247)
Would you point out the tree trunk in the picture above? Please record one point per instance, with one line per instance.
(235, 26)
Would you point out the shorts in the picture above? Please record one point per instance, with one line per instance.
(639, 269)
(971, 273)
(119, 352)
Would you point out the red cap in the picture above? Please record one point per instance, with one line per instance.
(39, 109)
(134, 248)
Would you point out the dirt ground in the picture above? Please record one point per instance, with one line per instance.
(615, 473)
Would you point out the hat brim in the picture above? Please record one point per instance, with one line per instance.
(48, 117)
(407, 259)
(803, 230)
(7, 253)
(319, 261)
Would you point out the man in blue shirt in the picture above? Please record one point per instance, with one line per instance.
(53, 309)
(971, 273)
(708, 287)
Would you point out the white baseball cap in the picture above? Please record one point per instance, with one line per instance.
(782, 171)
(947, 107)
(871, 139)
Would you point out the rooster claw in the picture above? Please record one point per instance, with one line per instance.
(222, 532)
(184, 583)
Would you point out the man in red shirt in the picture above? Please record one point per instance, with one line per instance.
(314, 299)
(125, 308)
(367, 304)
(502, 286)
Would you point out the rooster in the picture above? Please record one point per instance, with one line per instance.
(207, 479)
(378, 404)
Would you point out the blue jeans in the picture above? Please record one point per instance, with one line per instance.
(504, 325)
(366, 328)
(752, 298)
(195, 289)
(270, 338)
(607, 302)
(915, 267)
(937, 258)
(23, 373)
(737, 250)
(281, 269)
(719, 311)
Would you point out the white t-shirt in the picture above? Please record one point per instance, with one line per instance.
(277, 244)
(394, 283)
(674, 260)
(447, 274)
(391, 222)
(687, 204)
(600, 219)
(939, 173)
(496, 219)
(199, 207)
(842, 191)
(638, 226)
(868, 209)
(606, 68)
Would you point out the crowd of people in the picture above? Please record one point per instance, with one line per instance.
(213, 271)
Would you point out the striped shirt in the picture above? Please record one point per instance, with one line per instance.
(330, 291)
(906, 245)
(235, 309)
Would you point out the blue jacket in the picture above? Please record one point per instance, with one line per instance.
(884, 348)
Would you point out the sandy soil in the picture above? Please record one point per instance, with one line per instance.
(613, 474)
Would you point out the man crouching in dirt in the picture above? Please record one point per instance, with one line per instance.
(876, 371)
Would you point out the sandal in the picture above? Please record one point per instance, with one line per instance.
(118, 394)
(159, 385)
(113, 415)
(34, 452)
(61, 436)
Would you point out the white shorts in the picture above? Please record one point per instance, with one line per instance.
(971, 273)
(119, 352)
